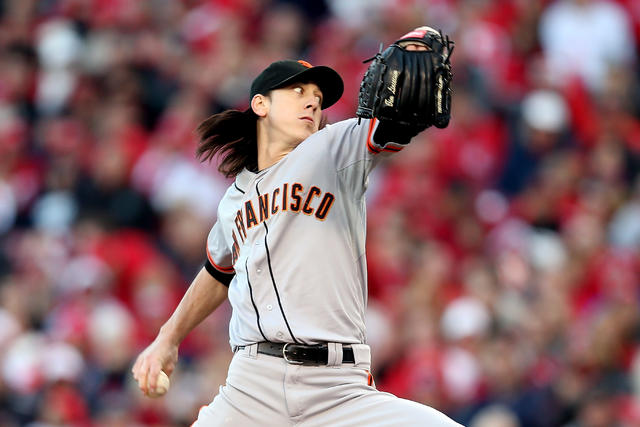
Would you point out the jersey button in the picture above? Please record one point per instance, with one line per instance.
(259, 270)
(280, 335)
(269, 307)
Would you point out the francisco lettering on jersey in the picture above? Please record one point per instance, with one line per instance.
(286, 198)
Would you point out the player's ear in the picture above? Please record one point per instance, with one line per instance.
(260, 105)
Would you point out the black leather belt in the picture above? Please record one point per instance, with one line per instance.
(299, 354)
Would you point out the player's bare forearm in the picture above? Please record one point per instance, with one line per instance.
(204, 295)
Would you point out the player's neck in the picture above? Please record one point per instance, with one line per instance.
(270, 154)
(272, 149)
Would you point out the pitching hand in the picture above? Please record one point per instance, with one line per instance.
(161, 354)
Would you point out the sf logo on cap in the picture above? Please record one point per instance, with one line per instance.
(305, 63)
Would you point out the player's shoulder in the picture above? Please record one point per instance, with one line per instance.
(230, 200)
(240, 184)
(341, 125)
(235, 190)
(337, 130)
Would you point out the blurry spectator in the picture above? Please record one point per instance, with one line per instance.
(624, 228)
(183, 235)
(596, 409)
(495, 416)
(58, 48)
(473, 150)
(541, 132)
(584, 38)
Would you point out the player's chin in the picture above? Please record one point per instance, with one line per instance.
(307, 132)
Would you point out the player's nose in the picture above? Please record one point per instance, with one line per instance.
(313, 102)
(313, 105)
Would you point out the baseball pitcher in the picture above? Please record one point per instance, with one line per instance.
(288, 247)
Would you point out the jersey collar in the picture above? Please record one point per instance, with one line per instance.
(244, 179)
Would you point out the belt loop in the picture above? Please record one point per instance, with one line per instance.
(362, 355)
(334, 354)
(252, 350)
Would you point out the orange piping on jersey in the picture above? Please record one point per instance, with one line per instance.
(325, 206)
(370, 145)
(369, 379)
(392, 149)
(313, 191)
(217, 267)
(274, 207)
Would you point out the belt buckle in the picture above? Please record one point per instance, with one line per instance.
(286, 359)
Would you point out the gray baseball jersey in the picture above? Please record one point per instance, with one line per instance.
(294, 236)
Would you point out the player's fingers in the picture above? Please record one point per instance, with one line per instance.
(416, 47)
(154, 371)
(169, 362)
(135, 369)
(169, 369)
(142, 376)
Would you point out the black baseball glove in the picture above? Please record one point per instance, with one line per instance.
(409, 90)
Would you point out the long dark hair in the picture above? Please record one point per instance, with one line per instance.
(231, 134)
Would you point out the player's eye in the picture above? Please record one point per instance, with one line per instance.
(319, 99)
(298, 89)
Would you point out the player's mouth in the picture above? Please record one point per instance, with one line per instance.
(308, 118)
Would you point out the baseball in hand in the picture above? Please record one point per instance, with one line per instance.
(162, 385)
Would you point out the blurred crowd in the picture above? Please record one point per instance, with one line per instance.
(504, 251)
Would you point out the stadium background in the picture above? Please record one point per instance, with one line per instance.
(503, 252)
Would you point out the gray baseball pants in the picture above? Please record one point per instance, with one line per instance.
(264, 390)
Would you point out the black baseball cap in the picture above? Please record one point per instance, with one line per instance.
(283, 73)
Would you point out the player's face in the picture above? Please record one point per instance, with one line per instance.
(295, 111)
